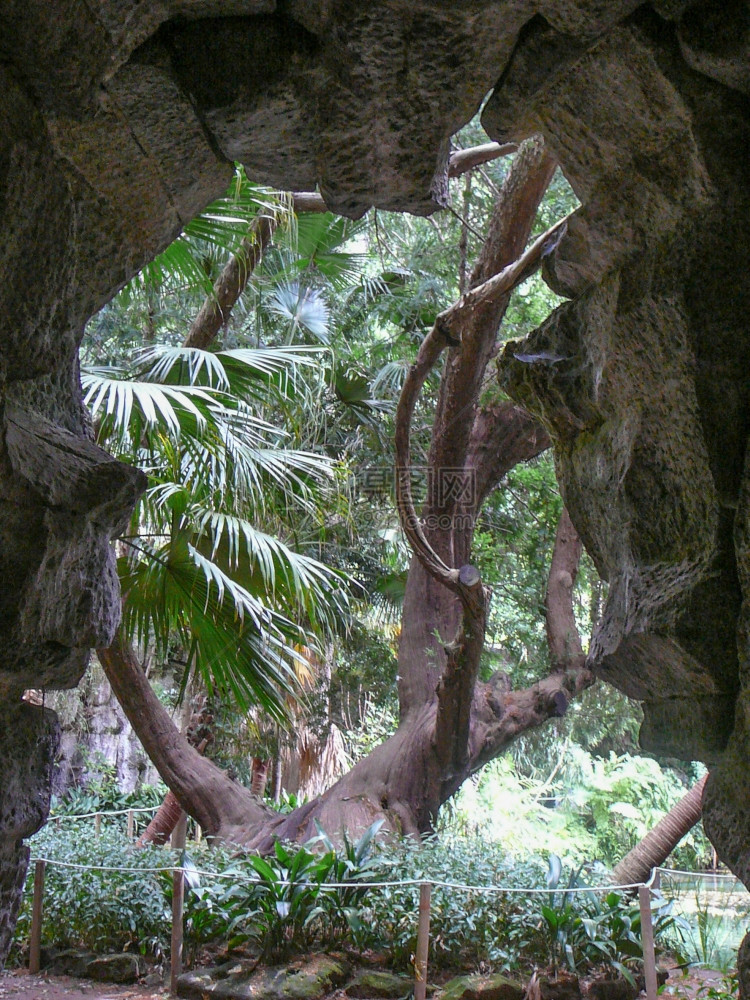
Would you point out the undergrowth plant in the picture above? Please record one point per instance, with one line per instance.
(293, 899)
(324, 895)
(582, 928)
(101, 911)
(466, 927)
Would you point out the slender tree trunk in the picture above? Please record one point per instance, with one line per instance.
(261, 766)
(659, 843)
(164, 821)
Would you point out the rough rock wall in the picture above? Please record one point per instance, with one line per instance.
(95, 735)
(648, 402)
(28, 739)
(118, 122)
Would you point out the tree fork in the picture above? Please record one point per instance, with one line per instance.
(449, 725)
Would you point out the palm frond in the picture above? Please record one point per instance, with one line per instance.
(389, 380)
(321, 239)
(221, 227)
(129, 408)
(263, 564)
(242, 648)
(301, 307)
(246, 373)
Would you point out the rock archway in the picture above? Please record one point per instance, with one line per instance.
(120, 121)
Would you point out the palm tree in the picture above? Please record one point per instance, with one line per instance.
(196, 564)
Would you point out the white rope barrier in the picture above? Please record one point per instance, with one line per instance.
(698, 875)
(56, 818)
(397, 883)
(105, 868)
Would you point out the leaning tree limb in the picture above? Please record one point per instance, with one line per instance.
(660, 841)
(447, 331)
(463, 160)
(563, 638)
(203, 789)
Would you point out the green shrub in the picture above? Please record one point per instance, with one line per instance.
(100, 910)
(465, 927)
(283, 903)
(319, 896)
(583, 929)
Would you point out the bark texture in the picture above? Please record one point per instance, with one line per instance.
(659, 842)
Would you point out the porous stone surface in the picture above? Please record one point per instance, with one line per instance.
(310, 979)
(123, 968)
(28, 740)
(94, 729)
(648, 406)
(495, 987)
(372, 983)
(119, 121)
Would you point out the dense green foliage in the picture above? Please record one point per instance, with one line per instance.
(317, 896)
(100, 910)
(266, 557)
(585, 808)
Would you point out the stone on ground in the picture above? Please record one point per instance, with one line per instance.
(300, 980)
(497, 987)
(376, 983)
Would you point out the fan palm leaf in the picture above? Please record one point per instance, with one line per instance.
(199, 567)
(241, 647)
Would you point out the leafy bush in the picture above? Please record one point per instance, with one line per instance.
(102, 794)
(466, 927)
(100, 910)
(283, 903)
(584, 929)
(321, 896)
(580, 806)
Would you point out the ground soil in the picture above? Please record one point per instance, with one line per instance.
(19, 985)
(693, 983)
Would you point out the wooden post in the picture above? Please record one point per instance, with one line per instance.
(131, 824)
(647, 940)
(178, 895)
(35, 941)
(198, 833)
(423, 942)
(97, 824)
(179, 834)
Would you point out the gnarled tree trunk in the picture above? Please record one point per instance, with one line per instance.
(450, 724)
